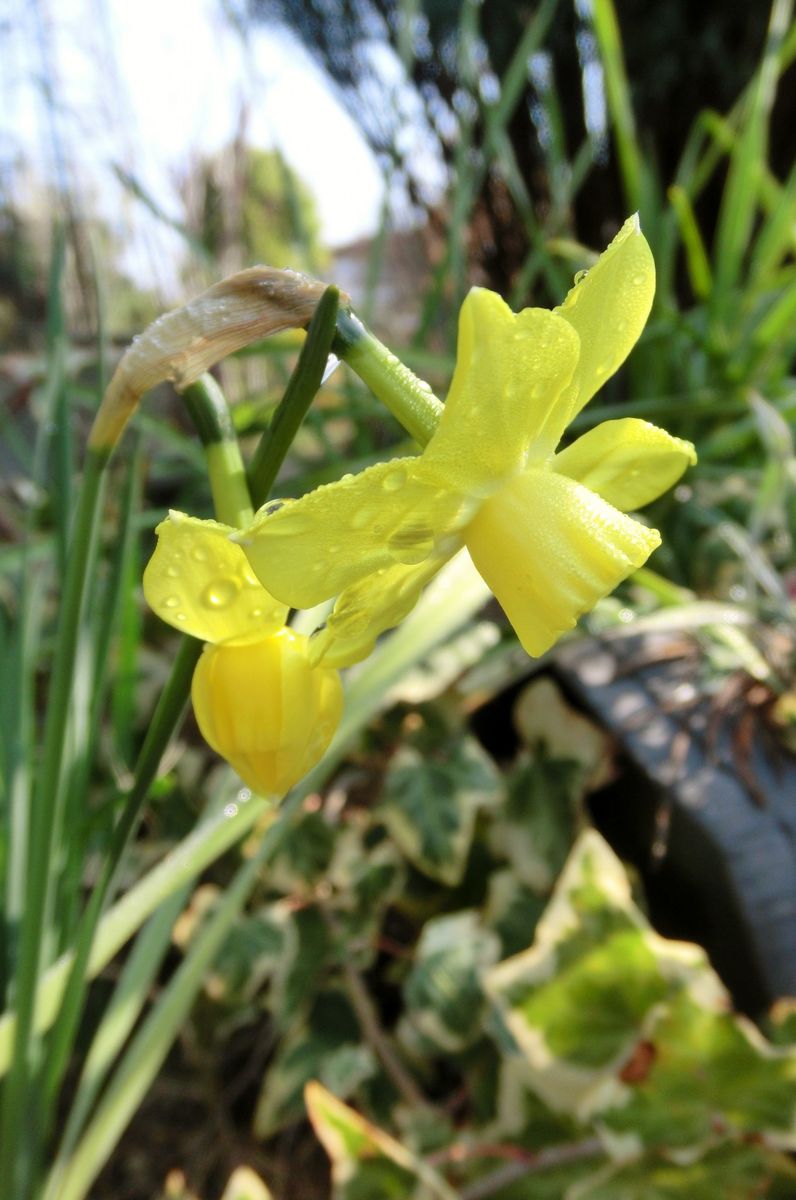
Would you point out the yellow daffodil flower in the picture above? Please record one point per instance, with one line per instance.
(258, 700)
(548, 531)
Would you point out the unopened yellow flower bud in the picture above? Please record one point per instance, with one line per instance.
(264, 708)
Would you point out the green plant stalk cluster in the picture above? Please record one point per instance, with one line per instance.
(25, 1089)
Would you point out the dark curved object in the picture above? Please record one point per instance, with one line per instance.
(705, 809)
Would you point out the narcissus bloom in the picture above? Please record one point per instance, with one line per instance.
(258, 700)
(548, 531)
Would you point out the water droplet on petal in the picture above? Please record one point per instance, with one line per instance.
(362, 517)
(288, 524)
(255, 613)
(181, 617)
(639, 278)
(220, 593)
(394, 480)
(580, 275)
(199, 554)
(230, 810)
(172, 572)
(171, 602)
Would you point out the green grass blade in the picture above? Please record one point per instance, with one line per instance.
(129, 998)
(617, 87)
(741, 194)
(151, 1043)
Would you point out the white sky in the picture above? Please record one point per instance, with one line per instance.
(151, 84)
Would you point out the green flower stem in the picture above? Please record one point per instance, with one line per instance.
(299, 394)
(16, 1147)
(209, 412)
(409, 399)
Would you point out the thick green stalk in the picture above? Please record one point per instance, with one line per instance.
(299, 394)
(409, 399)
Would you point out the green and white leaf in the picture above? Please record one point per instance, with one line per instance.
(367, 1162)
(598, 982)
(327, 1046)
(443, 992)
(730, 1172)
(430, 804)
(579, 1000)
(535, 829)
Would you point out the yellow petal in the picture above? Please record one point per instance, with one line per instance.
(550, 549)
(510, 371)
(608, 308)
(365, 609)
(201, 583)
(627, 462)
(310, 549)
(266, 709)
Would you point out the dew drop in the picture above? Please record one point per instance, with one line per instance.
(290, 524)
(199, 554)
(244, 795)
(362, 517)
(230, 810)
(638, 279)
(394, 480)
(172, 572)
(255, 613)
(171, 602)
(220, 593)
(580, 276)
(181, 617)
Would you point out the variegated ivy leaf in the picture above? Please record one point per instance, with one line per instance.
(535, 828)
(244, 1184)
(366, 1162)
(576, 1002)
(252, 952)
(328, 1046)
(709, 1074)
(304, 853)
(633, 1031)
(512, 910)
(542, 717)
(729, 1172)
(306, 952)
(430, 804)
(443, 993)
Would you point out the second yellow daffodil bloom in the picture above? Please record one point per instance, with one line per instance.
(548, 531)
(258, 700)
